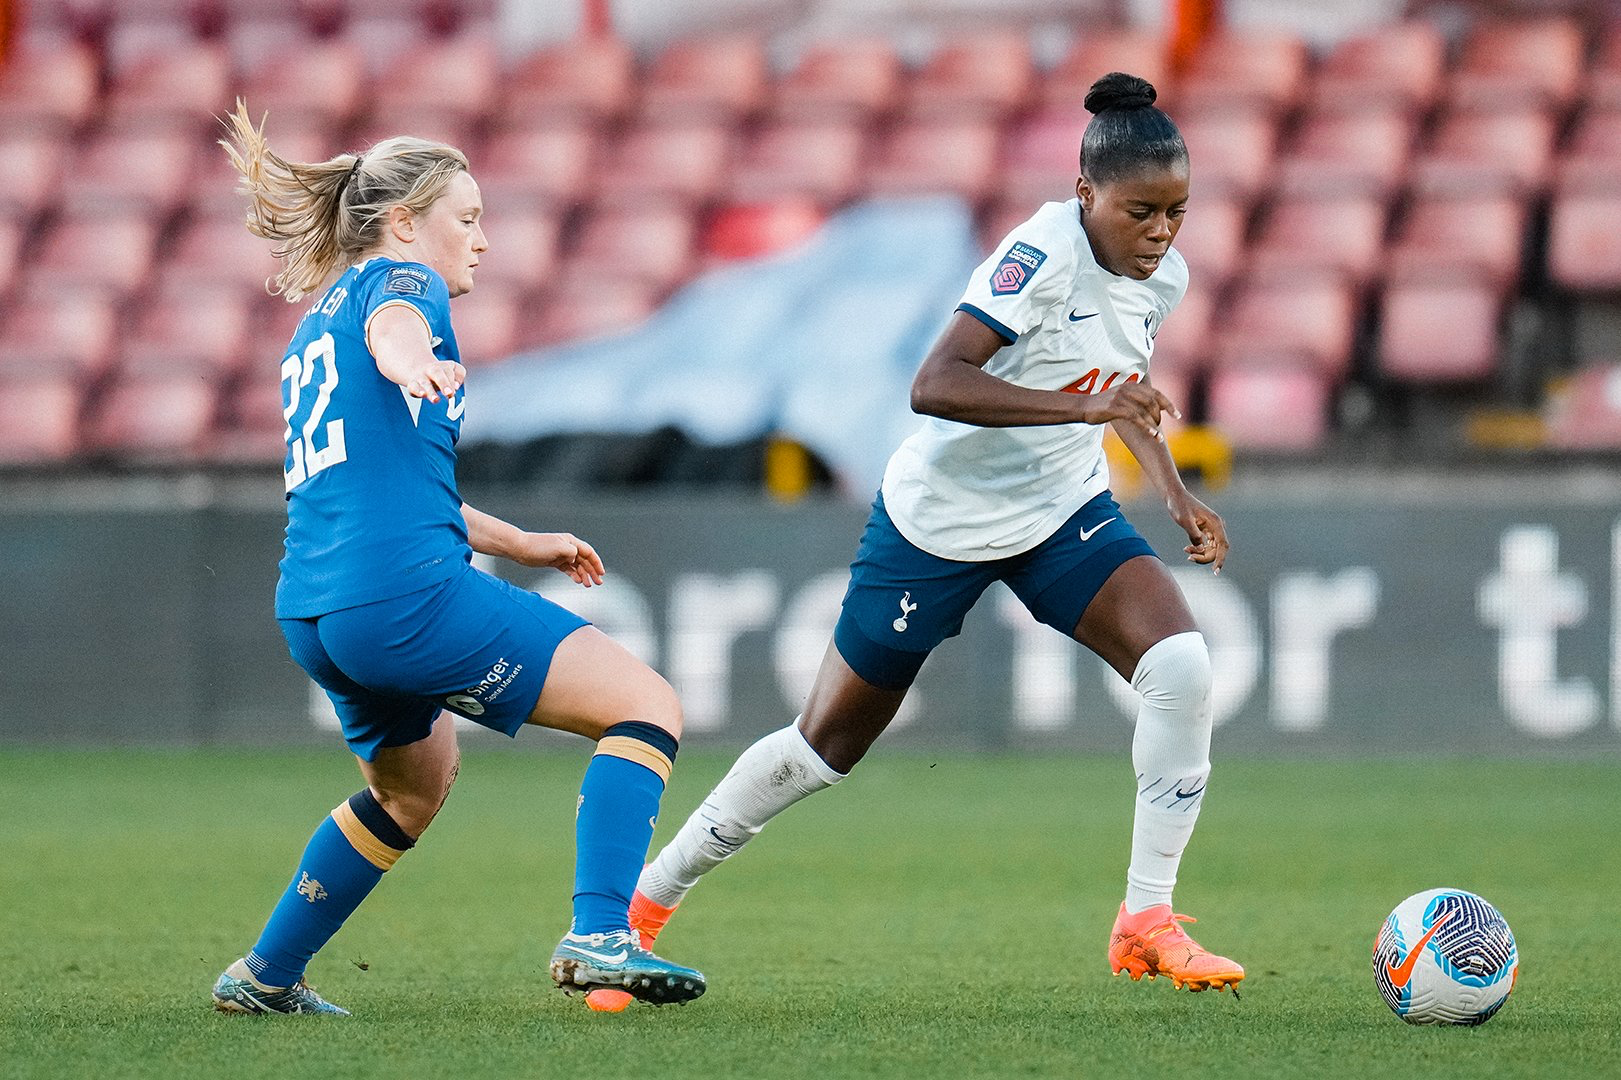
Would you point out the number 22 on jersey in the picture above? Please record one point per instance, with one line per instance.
(304, 458)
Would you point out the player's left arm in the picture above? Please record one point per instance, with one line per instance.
(489, 535)
(1207, 534)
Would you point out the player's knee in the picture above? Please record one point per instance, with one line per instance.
(1175, 672)
(661, 707)
(414, 806)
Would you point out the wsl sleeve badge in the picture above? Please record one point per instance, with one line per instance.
(1017, 267)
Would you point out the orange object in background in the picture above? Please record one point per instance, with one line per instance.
(1191, 22)
(753, 229)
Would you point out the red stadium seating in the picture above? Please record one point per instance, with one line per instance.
(192, 329)
(749, 230)
(48, 89)
(1584, 242)
(1230, 152)
(1482, 234)
(1440, 328)
(1348, 153)
(985, 78)
(1591, 158)
(222, 250)
(441, 125)
(67, 333)
(523, 248)
(1245, 68)
(816, 159)
(30, 171)
(718, 78)
(1478, 152)
(487, 322)
(1602, 88)
(115, 253)
(935, 156)
(1517, 63)
(846, 81)
(1042, 157)
(150, 170)
(576, 312)
(1276, 409)
(1095, 54)
(1299, 319)
(307, 82)
(39, 419)
(533, 168)
(163, 419)
(252, 427)
(1184, 342)
(460, 76)
(593, 78)
(1345, 235)
(184, 83)
(1396, 66)
(1211, 239)
(680, 161)
(1585, 414)
(649, 244)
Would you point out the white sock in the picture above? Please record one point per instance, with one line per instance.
(1171, 754)
(771, 776)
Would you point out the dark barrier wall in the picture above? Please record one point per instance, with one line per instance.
(1353, 621)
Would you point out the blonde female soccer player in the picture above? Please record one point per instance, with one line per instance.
(1007, 482)
(378, 599)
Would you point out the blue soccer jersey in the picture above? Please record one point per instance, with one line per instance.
(372, 507)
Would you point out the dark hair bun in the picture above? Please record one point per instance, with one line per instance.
(1117, 90)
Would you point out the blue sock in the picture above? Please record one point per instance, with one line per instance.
(619, 801)
(344, 860)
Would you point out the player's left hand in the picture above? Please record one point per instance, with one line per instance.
(1207, 534)
(565, 551)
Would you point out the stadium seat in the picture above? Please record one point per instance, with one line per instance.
(577, 312)
(1602, 87)
(162, 419)
(542, 167)
(720, 78)
(1276, 409)
(1230, 152)
(191, 329)
(847, 81)
(178, 84)
(1348, 153)
(945, 156)
(1399, 65)
(1299, 319)
(523, 248)
(650, 244)
(30, 172)
(1245, 68)
(147, 170)
(39, 419)
(1482, 234)
(48, 88)
(749, 230)
(307, 81)
(1585, 413)
(985, 78)
(487, 322)
(817, 159)
(1094, 54)
(1184, 342)
(1584, 242)
(1041, 157)
(681, 161)
(1440, 328)
(590, 78)
(1515, 63)
(249, 428)
(1482, 151)
(1591, 157)
(447, 125)
(222, 250)
(1211, 239)
(460, 76)
(382, 36)
(67, 333)
(110, 252)
(1342, 234)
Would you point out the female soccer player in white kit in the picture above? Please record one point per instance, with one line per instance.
(1007, 481)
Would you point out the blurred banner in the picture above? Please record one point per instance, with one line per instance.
(1366, 622)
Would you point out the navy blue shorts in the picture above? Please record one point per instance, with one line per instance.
(475, 645)
(903, 601)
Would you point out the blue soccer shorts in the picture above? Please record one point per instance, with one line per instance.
(903, 601)
(475, 645)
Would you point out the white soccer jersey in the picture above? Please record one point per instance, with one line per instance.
(975, 494)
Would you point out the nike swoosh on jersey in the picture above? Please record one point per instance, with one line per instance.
(1403, 972)
(1087, 534)
(1077, 318)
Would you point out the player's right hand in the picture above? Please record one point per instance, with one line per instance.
(1135, 403)
(439, 377)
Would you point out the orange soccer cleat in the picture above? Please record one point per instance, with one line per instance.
(1151, 942)
(647, 919)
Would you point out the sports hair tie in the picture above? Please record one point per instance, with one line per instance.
(354, 170)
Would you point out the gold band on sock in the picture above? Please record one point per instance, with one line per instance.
(633, 749)
(361, 839)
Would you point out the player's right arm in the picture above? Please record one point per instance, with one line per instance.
(953, 385)
(400, 342)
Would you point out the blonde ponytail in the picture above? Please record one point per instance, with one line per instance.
(323, 216)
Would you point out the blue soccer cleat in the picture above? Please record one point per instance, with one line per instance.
(236, 992)
(591, 961)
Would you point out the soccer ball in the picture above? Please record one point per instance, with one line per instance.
(1445, 957)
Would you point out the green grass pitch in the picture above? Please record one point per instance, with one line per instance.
(937, 916)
